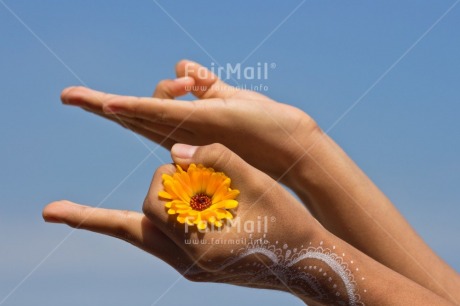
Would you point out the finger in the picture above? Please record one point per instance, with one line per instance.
(90, 101)
(152, 207)
(176, 133)
(130, 226)
(83, 97)
(207, 84)
(125, 225)
(215, 156)
(169, 112)
(164, 111)
(153, 109)
(120, 120)
(170, 89)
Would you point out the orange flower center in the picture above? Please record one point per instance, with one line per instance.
(200, 202)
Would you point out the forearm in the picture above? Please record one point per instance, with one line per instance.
(349, 205)
(346, 275)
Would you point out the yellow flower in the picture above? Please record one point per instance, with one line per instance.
(199, 196)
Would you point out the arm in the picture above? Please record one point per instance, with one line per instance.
(336, 191)
(347, 202)
(302, 258)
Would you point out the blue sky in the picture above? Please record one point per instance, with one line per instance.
(403, 132)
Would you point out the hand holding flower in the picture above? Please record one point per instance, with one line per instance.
(294, 254)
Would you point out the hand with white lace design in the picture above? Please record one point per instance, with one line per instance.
(294, 253)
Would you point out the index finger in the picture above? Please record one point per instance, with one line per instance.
(167, 111)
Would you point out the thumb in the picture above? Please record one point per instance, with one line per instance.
(129, 226)
(216, 156)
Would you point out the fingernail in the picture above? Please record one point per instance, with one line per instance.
(184, 79)
(64, 94)
(52, 220)
(183, 151)
(68, 97)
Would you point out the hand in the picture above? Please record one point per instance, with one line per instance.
(292, 253)
(264, 210)
(270, 136)
(263, 205)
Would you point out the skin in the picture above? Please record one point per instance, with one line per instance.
(257, 128)
(155, 232)
(330, 184)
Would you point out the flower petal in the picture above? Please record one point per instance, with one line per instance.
(180, 192)
(221, 191)
(230, 204)
(202, 225)
(231, 194)
(181, 219)
(195, 181)
(189, 220)
(164, 195)
(212, 184)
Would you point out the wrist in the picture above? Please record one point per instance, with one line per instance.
(313, 155)
(322, 269)
(327, 270)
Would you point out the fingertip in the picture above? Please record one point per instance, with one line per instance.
(184, 80)
(182, 154)
(186, 67)
(54, 212)
(65, 93)
(74, 95)
(66, 90)
(186, 60)
(183, 151)
(181, 65)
